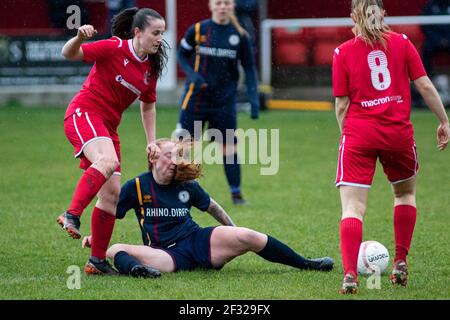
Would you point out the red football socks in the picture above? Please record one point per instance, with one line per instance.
(351, 237)
(404, 222)
(88, 186)
(102, 225)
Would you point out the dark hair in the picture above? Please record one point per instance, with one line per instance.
(123, 24)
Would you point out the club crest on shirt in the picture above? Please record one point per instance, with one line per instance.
(233, 39)
(147, 76)
(183, 196)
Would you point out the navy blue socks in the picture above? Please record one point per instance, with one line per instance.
(232, 172)
(124, 262)
(276, 251)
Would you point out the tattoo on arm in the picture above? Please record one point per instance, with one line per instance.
(218, 213)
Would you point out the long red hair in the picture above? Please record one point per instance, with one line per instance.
(186, 168)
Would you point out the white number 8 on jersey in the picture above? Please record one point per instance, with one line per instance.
(383, 82)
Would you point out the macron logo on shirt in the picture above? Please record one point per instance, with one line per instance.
(125, 62)
(377, 102)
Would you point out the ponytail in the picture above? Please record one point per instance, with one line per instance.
(122, 22)
(159, 60)
(123, 25)
(370, 25)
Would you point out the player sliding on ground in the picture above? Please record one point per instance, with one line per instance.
(162, 199)
(371, 83)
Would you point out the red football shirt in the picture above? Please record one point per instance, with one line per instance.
(117, 78)
(377, 81)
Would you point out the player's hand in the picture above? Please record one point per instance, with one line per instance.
(86, 32)
(86, 243)
(153, 151)
(443, 134)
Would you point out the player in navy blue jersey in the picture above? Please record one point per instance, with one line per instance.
(172, 241)
(210, 53)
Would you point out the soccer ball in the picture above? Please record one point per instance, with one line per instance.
(373, 257)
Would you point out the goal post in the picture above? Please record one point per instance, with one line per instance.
(269, 24)
(169, 78)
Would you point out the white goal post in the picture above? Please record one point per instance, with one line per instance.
(169, 79)
(268, 24)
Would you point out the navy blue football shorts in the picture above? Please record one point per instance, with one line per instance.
(193, 252)
(220, 119)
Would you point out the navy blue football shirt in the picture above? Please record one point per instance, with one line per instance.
(163, 211)
(210, 53)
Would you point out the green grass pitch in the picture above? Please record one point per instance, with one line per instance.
(299, 206)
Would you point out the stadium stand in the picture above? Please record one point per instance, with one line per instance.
(325, 40)
(290, 47)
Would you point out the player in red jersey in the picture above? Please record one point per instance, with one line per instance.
(371, 83)
(126, 67)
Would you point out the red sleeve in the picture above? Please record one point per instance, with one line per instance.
(340, 76)
(101, 49)
(149, 95)
(414, 63)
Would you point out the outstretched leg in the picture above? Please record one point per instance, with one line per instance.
(102, 155)
(230, 242)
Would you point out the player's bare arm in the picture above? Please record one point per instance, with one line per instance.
(148, 115)
(341, 108)
(218, 213)
(72, 49)
(434, 102)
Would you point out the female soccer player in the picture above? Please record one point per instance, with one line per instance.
(162, 199)
(209, 53)
(126, 67)
(371, 83)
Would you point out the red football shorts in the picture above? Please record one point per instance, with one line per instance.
(356, 165)
(82, 128)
